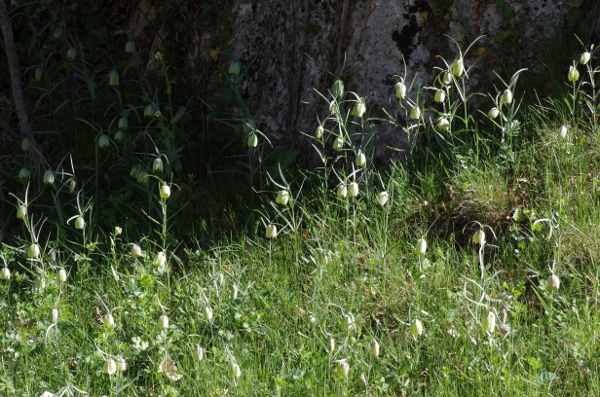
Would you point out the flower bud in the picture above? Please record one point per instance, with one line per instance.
(553, 282)
(353, 190)
(199, 353)
(58, 32)
(415, 113)
(343, 369)
(54, 316)
(443, 124)
(136, 251)
(103, 141)
(447, 79)
(33, 251)
(24, 175)
(338, 144)
(319, 132)
(488, 322)
(163, 322)
(585, 58)
(120, 364)
(236, 290)
(208, 313)
(359, 108)
(361, 159)
(5, 274)
(234, 371)
(130, 47)
(160, 259)
(479, 237)
(507, 96)
(25, 145)
(493, 113)
(79, 223)
(421, 246)
(563, 131)
(108, 320)
(123, 123)
(38, 74)
(72, 54)
(283, 196)
(440, 96)
(149, 111)
(331, 344)
(109, 367)
(271, 231)
(573, 74)
(342, 191)
(135, 171)
(62, 275)
(375, 348)
(72, 185)
(338, 89)
(22, 212)
(416, 327)
(165, 191)
(457, 68)
(400, 90)
(235, 68)
(252, 140)
(113, 78)
(382, 198)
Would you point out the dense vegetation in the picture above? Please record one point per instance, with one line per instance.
(471, 269)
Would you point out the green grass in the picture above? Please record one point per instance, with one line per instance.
(298, 314)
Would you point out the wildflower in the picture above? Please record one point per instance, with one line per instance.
(136, 251)
(319, 132)
(507, 96)
(121, 364)
(573, 74)
(421, 246)
(493, 113)
(80, 223)
(382, 198)
(338, 89)
(359, 108)
(553, 282)
(5, 274)
(169, 369)
(103, 141)
(400, 90)
(343, 369)
(416, 327)
(234, 371)
(415, 113)
(130, 47)
(109, 367)
(457, 68)
(54, 316)
(338, 144)
(443, 124)
(488, 322)
(49, 177)
(361, 159)
(353, 190)
(234, 68)
(252, 140)
(585, 58)
(157, 166)
(375, 348)
(163, 322)
(479, 237)
(160, 259)
(271, 231)
(440, 96)
(342, 191)
(165, 191)
(283, 196)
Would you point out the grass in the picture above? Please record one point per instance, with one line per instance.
(326, 307)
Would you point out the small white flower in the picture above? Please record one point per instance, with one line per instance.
(283, 196)
(361, 159)
(479, 237)
(160, 259)
(421, 246)
(338, 144)
(457, 68)
(382, 198)
(415, 113)
(22, 211)
(120, 364)
(353, 190)
(493, 113)
(165, 191)
(348, 321)
(54, 316)
(208, 313)
(573, 74)
(507, 96)
(488, 322)
(5, 274)
(416, 327)
(252, 140)
(553, 282)
(271, 231)
(109, 320)
(62, 275)
(375, 348)
(585, 58)
(331, 344)
(199, 353)
(343, 369)
(443, 124)
(103, 141)
(400, 90)
(158, 166)
(109, 367)
(359, 108)
(319, 132)
(563, 131)
(136, 251)
(440, 96)
(80, 223)
(447, 78)
(342, 191)
(163, 322)
(234, 371)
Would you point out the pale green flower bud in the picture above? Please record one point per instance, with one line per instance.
(507, 96)
(573, 75)
(338, 144)
(493, 113)
(353, 190)
(400, 90)
(113, 78)
(553, 282)
(271, 231)
(103, 141)
(585, 58)
(130, 47)
(457, 68)
(488, 322)
(416, 327)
